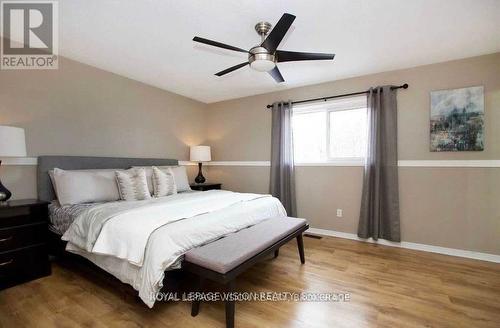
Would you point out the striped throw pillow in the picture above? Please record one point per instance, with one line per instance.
(132, 184)
(163, 182)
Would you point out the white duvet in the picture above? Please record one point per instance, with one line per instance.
(138, 242)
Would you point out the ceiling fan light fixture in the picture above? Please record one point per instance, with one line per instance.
(261, 60)
(262, 65)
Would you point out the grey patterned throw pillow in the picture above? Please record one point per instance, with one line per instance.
(132, 184)
(163, 182)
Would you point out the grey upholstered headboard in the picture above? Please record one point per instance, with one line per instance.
(47, 163)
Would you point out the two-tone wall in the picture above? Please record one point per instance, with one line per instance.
(454, 207)
(82, 110)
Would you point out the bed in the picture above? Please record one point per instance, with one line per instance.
(137, 242)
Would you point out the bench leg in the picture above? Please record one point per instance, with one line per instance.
(230, 306)
(195, 304)
(300, 245)
(276, 253)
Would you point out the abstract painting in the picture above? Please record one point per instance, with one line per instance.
(457, 119)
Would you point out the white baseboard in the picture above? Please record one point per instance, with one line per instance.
(415, 246)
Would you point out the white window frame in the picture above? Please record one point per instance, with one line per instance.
(336, 105)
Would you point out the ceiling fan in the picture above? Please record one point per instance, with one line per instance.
(263, 57)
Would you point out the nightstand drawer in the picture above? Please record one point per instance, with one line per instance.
(22, 236)
(23, 265)
(22, 215)
(23, 241)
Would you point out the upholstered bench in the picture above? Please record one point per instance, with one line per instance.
(223, 260)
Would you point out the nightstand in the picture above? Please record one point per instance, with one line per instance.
(23, 242)
(205, 186)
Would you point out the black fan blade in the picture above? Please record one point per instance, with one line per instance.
(284, 56)
(274, 38)
(218, 44)
(276, 74)
(230, 69)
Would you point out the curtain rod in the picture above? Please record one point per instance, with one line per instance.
(404, 86)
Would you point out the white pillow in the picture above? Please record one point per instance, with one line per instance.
(180, 177)
(163, 182)
(85, 186)
(53, 181)
(133, 184)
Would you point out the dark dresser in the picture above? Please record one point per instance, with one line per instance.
(23, 242)
(205, 186)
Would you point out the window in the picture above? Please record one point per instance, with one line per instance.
(331, 131)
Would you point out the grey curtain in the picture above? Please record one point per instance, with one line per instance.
(379, 216)
(282, 184)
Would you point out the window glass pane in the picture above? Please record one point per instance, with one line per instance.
(348, 133)
(309, 137)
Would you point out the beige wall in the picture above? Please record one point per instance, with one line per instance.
(81, 110)
(240, 129)
(449, 207)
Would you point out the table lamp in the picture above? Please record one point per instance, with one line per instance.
(200, 154)
(12, 144)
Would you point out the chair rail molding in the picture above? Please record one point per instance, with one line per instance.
(30, 161)
(401, 163)
(449, 163)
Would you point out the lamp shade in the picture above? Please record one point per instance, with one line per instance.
(200, 154)
(12, 142)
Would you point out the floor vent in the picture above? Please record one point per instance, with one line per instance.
(312, 236)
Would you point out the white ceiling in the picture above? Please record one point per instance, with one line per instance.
(151, 41)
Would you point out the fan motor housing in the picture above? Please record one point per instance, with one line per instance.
(261, 60)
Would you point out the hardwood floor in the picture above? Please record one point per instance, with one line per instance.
(389, 287)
